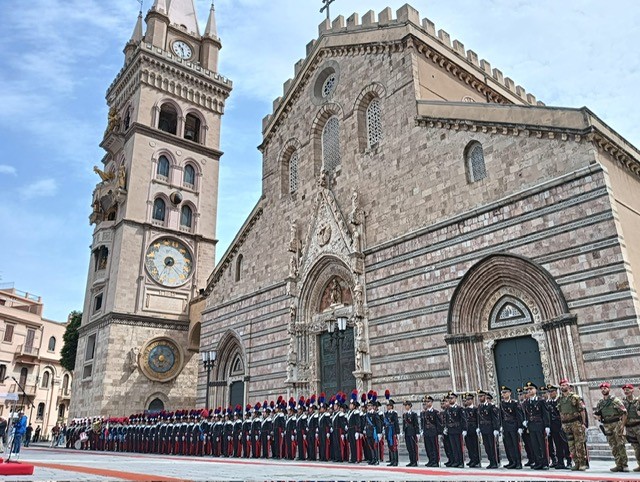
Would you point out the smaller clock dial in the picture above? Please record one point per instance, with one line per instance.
(182, 49)
(169, 262)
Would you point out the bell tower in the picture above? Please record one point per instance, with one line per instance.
(154, 211)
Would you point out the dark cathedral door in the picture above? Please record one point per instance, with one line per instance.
(518, 362)
(236, 394)
(337, 362)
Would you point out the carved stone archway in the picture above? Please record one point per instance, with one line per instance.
(231, 367)
(533, 305)
(312, 318)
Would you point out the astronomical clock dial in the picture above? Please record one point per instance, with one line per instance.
(169, 262)
(161, 360)
(182, 49)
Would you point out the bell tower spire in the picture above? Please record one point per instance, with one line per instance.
(136, 37)
(210, 42)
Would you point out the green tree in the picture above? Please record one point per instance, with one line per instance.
(70, 338)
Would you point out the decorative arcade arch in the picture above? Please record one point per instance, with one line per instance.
(502, 297)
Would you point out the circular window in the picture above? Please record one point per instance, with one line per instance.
(329, 85)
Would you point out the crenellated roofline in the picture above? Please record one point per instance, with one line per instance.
(383, 33)
(566, 124)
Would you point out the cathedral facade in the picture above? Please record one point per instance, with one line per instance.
(425, 225)
(154, 211)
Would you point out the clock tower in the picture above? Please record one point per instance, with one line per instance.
(154, 211)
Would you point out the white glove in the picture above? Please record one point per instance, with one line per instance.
(304, 437)
(331, 430)
(342, 437)
(478, 431)
(292, 438)
(547, 430)
(357, 436)
(445, 431)
(379, 437)
(421, 433)
(520, 431)
(328, 435)
(464, 433)
(496, 433)
(525, 423)
(256, 437)
(268, 437)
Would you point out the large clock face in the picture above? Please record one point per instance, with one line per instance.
(161, 359)
(169, 262)
(182, 49)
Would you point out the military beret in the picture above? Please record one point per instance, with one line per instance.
(564, 381)
(605, 385)
(627, 385)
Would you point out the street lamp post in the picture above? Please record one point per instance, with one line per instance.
(339, 324)
(209, 361)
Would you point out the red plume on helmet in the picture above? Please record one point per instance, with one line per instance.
(387, 394)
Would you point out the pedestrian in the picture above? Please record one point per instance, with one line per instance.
(489, 427)
(632, 425)
(471, 440)
(573, 416)
(612, 414)
(27, 435)
(512, 418)
(36, 434)
(411, 429)
(3, 432)
(538, 422)
(391, 430)
(430, 429)
(55, 432)
(19, 430)
(455, 428)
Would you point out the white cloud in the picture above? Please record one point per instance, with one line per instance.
(42, 188)
(5, 169)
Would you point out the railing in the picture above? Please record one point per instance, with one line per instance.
(9, 288)
(29, 389)
(24, 350)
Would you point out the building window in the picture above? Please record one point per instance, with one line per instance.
(40, 414)
(65, 384)
(168, 121)
(163, 168)
(61, 410)
(159, 208)
(101, 256)
(192, 128)
(89, 353)
(331, 144)
(8, 333)
(52, 344)
(329, 85)
(374, 124)
(293, 173)
(239, 268)
(46, 377)
(475, 162)
(189, 178)
(3, 373)
(24, 372)
(127, 119)
(156, 405)
(186, 217)
(97, 303)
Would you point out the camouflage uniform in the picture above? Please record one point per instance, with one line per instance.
(611, 410)
(571, 408)
(632, 425)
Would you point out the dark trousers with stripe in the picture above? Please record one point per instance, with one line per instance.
(432, 448)
(455, 440)
(512, 447)
(473, 448)
(412, 448)
(491, 447)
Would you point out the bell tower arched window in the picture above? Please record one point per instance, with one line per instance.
(293, 173)
(374, 123)
(168, 120)
(186, 217)
(163, 168)
(331, 144)
(159, 209)
(192, 128)
(239, 267)
(189, 177)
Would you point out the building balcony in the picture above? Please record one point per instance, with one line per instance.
(64, 395)
(27, 354)
(29, 389)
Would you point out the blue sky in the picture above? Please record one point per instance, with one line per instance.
(59, 56)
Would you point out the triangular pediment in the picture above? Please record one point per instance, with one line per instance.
(327, 233)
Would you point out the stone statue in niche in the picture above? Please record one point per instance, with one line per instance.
(293, 240)
(132, 358)
(323, 179)
(122, 177)
(358, 299)
(292, 318)
(293, 266)
(356, 246)
(357, 214)
(335, 293)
